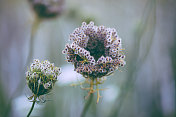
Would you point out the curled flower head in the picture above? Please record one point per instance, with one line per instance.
(47, 8)
(96, 51)
(41, 77)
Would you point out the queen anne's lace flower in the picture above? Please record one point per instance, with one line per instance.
(96, 51)
(41, 77)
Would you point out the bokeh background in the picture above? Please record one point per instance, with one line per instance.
(145, 87)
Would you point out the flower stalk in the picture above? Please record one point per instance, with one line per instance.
(87, 105)
(95, 52)
(34, 29)
(90, 96)
(32, 106)
(41, 77)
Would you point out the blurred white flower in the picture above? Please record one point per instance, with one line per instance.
(111, 93)
(69, 76)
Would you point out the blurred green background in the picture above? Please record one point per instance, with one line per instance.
(145, 87)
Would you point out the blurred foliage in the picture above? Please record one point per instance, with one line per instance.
(5, 107)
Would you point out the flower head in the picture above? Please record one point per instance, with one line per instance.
(96, 51)
(47, 8)
(41, 77)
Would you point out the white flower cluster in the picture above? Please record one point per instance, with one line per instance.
(41, 76)
(45, 67)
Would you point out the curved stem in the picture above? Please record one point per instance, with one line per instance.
(32, 107)
(31, 43)
(87, 105)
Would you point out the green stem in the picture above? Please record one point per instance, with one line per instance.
(32, 107)
(31, 43)
(87, 105)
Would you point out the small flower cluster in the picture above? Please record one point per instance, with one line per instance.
(47, 8)
(41, 77)
(96, 51)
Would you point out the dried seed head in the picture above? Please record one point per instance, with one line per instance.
(95, 51)
(41, 77)
(47, 8)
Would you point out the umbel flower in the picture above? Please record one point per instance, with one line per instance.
(47, 8)
(95, 51)
(41, 77)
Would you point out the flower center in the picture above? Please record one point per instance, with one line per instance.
(96, 48)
